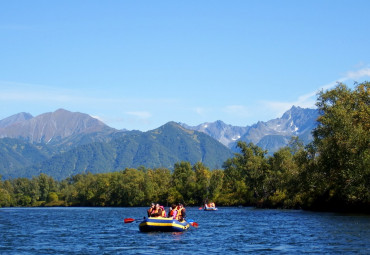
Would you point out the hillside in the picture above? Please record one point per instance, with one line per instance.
(64, 143)
(161, 147)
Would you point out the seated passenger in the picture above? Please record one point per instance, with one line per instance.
(163, 213)
(152, 207)
(157, 211)
(181, 212)
(173, 212)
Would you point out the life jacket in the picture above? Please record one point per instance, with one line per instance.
(172, 212)
(154, 211)
(150, 210)
(179, 213)
(163, 212)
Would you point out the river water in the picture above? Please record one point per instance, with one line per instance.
(230, 230)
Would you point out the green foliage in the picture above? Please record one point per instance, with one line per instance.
(244, 174)
(342, 139)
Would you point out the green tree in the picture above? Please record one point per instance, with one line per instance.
(46, 185)
(245, 174)
(183, 180)
(215, 185)
(342, 139)
(202, 182)
(157, 185)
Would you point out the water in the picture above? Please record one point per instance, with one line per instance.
(229, 230)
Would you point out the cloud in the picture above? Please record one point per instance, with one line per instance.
(24, 92)
(237, 110)
(308, 100)
(140, 114)
(359, 74)
(200, 110)
(97, 117)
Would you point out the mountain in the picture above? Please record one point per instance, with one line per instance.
(276, 133)
(161, 147)
(52, 127)
(61, 130)
(270, 135)
(16, 118)
(224, 133)
(64, 143)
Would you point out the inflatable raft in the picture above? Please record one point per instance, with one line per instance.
(206, 208)
(153, 224)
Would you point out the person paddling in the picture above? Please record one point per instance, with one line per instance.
(150, 210)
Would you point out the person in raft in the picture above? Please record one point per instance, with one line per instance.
(181, 212)
(210, 205)
(173, 212)
(151, 208)
(163, 211)
(157, 211)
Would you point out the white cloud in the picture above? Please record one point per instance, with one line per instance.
(237, 110)
(97, 117)
(359, 74)
(140, 114)
(308, 100)
(200, 110)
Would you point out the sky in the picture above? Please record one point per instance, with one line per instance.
(140, 64)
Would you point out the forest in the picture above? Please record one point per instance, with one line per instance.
(332, 173)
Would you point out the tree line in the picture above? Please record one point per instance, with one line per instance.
(331, 173)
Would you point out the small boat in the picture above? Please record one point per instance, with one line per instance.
(162, 224)
(209, 208)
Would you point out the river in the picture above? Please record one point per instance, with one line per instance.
(230, 230)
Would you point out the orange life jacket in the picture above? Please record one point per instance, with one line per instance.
(179, 213)
(154, 211)
(163, 213)
(172, 212)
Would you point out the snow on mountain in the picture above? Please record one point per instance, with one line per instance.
(270, 135)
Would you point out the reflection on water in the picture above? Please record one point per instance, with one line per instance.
(231, 230)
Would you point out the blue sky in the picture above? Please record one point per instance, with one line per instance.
(139, 64)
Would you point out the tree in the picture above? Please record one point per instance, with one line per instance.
(245, 174)
(183, 180)
(342, 139)
(202, 182)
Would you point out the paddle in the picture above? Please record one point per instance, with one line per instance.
(200, 208)
(129, 220)
(193, 223)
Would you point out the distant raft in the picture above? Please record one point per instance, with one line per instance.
(161, 224)
(210, 208)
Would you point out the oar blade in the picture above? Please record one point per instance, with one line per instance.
(194, 224)
(128, 220)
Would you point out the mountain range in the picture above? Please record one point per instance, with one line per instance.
(64, 143)
(270, 135)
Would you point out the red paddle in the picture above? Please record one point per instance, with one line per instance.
(128, 220)
(194, 224)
